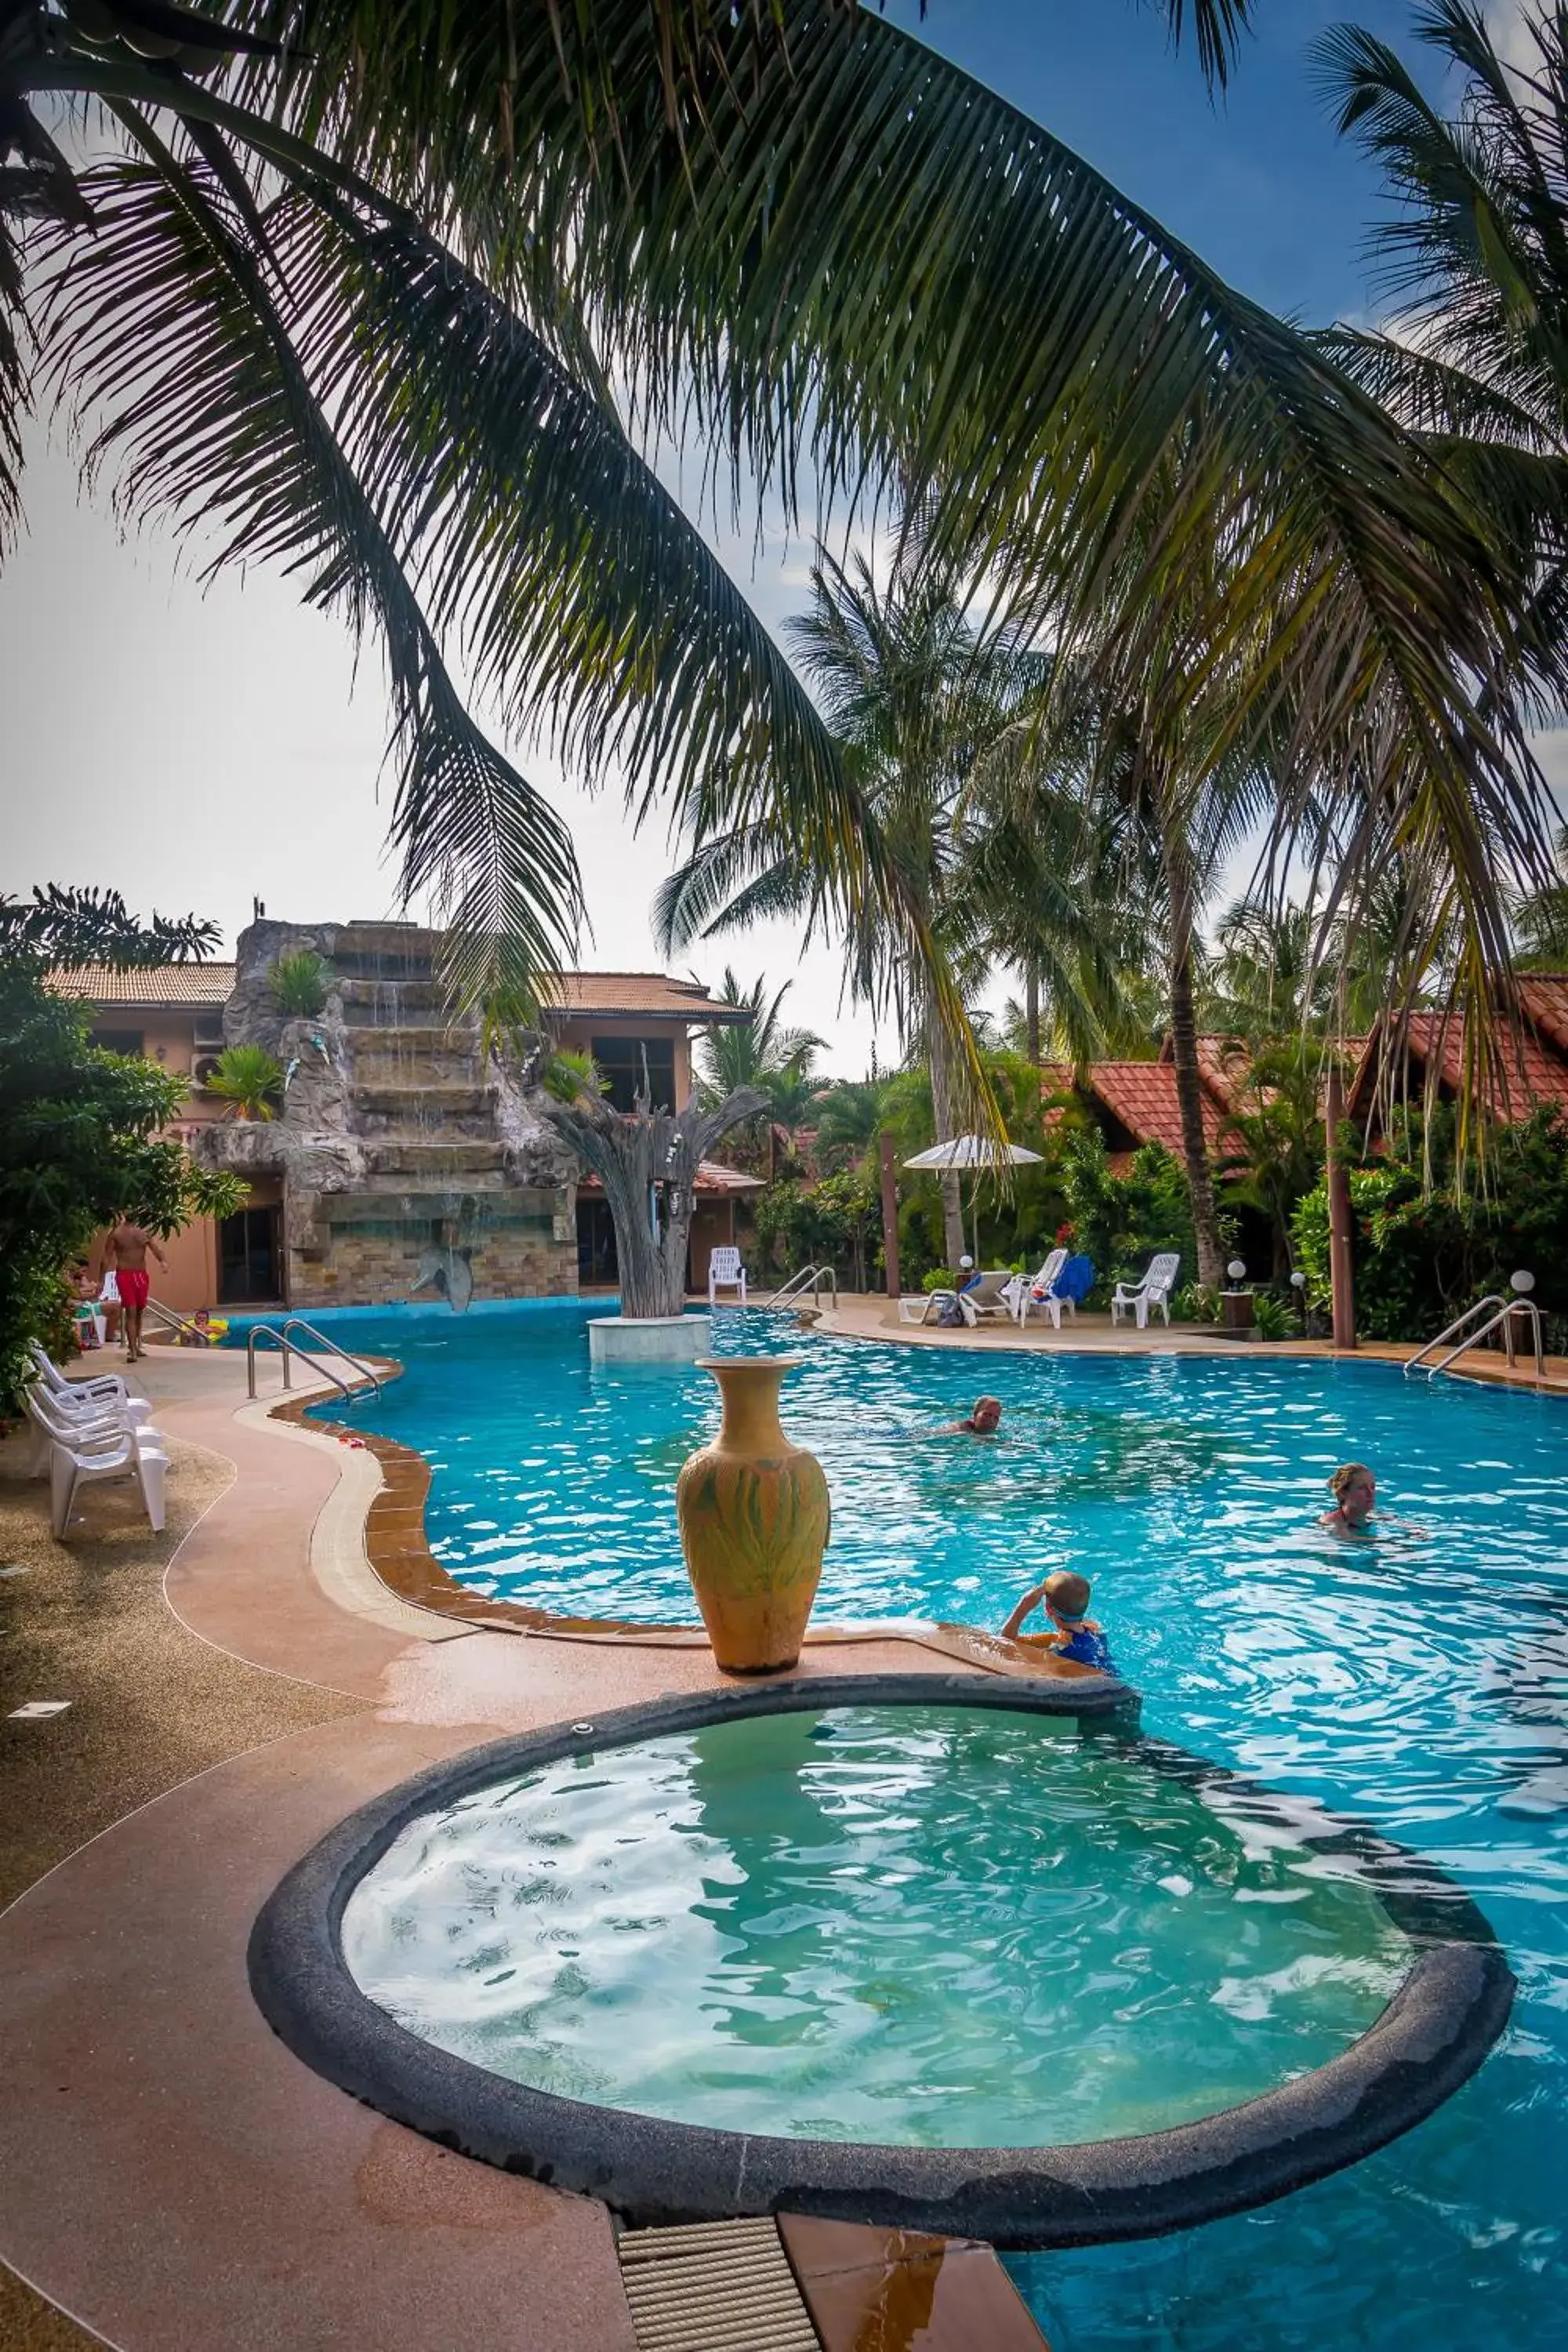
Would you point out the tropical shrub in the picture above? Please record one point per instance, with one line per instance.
(78, 1126)
(299, 983)
(1423, 1253)
(836, 1223)
(249, 1080)
(1119, 1222)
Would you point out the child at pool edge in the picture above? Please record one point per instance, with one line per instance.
(1065, 1597)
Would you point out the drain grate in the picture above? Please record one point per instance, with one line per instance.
(715, 2286)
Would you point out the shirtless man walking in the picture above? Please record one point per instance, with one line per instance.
(125, 1254)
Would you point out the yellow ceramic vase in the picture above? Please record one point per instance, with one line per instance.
(754, 1514)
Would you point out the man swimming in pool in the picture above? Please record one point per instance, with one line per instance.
(984, 1421)
(1074, 1634)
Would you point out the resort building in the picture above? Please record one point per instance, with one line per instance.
(407, 1155)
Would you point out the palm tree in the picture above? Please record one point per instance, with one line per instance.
(1541, 920)
(851, 1116)
(362, 279)
(915, 698)
(757, 1051)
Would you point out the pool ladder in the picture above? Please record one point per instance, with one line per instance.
(288, 1348)
(812, 1278)
(1468, 1330)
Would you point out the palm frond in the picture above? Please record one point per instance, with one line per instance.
(164, 326)
(13, 382)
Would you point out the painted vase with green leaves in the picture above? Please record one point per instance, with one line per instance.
(754, 1516)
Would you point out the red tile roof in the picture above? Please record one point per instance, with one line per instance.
(1143, 1096)
(710, 1178)
(165, 984)
(637, 996)
(1531, 1068)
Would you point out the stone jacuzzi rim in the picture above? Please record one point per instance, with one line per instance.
(1448, 2011)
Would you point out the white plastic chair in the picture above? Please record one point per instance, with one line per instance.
(1154, 1290)
(63, 1420)
(102, 1384)
(71, 1468)
(1034, 1291)
(725, 1272)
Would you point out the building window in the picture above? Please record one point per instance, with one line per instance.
(120, 1040)
(633, 1066)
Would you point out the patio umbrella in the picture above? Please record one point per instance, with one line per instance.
(971, 1151)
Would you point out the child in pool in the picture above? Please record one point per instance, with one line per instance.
(1065, 1597)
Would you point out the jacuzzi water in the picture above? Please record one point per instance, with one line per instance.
(1420, 1681)
(921, 1927)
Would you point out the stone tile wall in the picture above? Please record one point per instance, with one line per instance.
(366, 1265)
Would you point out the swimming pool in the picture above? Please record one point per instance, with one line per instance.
(1421, 1684)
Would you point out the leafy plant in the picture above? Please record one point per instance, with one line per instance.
(1274, 1318)
(249, 1080)
(836, 1223)
(299, 983)
(569, 1072)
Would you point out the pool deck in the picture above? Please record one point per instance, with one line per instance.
(172, 2178)
(867, 1316)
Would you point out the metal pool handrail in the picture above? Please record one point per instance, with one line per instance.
(810, 1277)
(288, 1348)
(1500, 1317)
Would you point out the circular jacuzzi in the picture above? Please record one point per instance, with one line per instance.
(957, 1954)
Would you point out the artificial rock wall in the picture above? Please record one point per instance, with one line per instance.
(411, 1158)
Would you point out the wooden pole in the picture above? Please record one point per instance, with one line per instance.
(1342, 1272)
(890, 1215)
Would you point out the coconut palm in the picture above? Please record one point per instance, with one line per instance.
(917, 700)
(756, 1051)
(361, 278)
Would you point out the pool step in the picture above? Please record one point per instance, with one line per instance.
(716, 2287)
(800, 2283)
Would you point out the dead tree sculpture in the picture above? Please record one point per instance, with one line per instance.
(648, 1161)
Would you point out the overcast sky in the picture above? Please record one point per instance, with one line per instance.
(200, 747)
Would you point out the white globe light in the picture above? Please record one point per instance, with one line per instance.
(1237, 1268)
(1522, 1282)
(1298, 1280)
(965, 1262)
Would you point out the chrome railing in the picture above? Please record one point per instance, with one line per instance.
(1467, 1332)
(810, 1277)
(288, 1348)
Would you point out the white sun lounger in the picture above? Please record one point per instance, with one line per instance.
(986, 1301)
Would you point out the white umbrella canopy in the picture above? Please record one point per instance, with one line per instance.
(973, 1152)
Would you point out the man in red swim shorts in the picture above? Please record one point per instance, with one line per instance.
(125, 1254)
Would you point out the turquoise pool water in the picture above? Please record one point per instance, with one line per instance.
(919, 1926)
(1421, 1682)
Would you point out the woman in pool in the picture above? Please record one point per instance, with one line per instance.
(1354, 1490)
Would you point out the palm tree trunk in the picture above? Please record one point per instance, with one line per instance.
(1032, 1013)
(1184, 1053)
(951, 1194)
